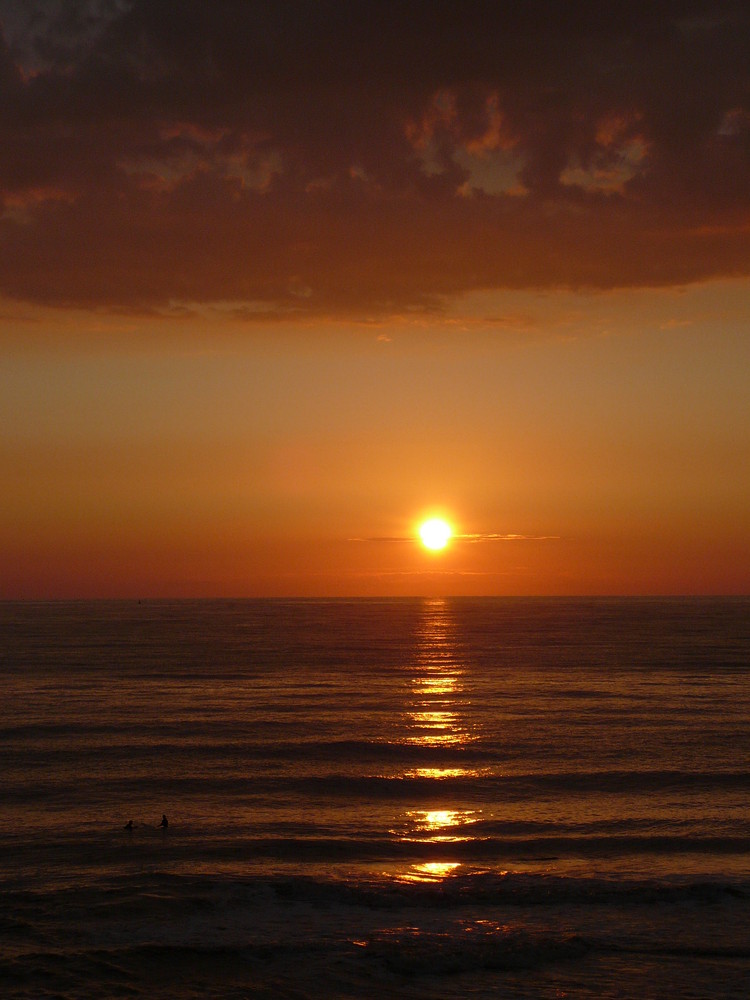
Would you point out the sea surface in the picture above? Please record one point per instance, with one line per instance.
(515, 798)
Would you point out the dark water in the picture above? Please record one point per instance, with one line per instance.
(411, 798)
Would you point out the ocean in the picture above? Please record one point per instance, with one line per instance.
(515, 798)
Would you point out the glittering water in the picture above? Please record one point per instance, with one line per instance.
(524, 798)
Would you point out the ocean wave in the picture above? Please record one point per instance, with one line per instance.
(489, 848)
(155, 894)
(20, 786)
(155, 934)
(492, 888)
(413, 952)
(478, 841)
(392, 957)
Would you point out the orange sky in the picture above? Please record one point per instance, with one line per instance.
(258, 318)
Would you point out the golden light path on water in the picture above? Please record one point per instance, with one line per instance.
(437, 683)
(436, 717)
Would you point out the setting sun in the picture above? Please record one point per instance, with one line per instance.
(435, 533)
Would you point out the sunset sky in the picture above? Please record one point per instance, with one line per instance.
(278, 281)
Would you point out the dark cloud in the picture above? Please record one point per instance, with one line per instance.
(354, 159)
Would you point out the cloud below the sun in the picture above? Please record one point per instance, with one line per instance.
(489, 536)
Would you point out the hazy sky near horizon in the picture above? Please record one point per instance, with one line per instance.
(278, 281)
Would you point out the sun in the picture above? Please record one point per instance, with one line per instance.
(435, 533)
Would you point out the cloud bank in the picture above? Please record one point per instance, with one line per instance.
(305, 160)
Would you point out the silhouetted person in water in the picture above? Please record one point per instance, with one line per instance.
(129, 825)
(164, 822)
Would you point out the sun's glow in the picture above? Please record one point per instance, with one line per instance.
(435, 533)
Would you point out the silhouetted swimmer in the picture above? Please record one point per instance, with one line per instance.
(164, 822)
(129, 825)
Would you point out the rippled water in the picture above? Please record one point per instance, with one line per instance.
(525, 798)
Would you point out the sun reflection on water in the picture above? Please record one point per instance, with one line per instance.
(438, 825)
(437, 694)
(428, 871)
(437, 773)
(437, 717)
(438, 685)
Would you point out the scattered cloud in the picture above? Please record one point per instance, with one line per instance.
(512, 537)
(365, 159)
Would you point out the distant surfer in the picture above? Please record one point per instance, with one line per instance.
(164, 822)
(129, 825)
